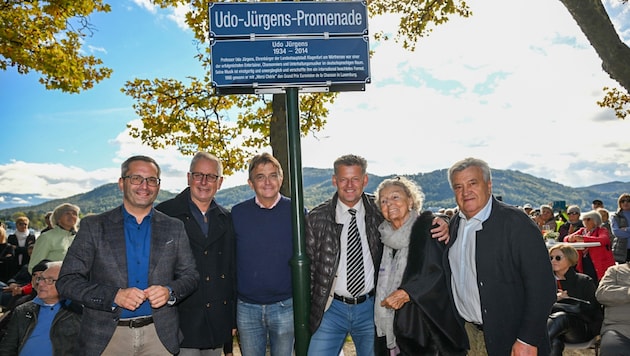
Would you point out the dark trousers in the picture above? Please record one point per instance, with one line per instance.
(614, 344)
(566, 328)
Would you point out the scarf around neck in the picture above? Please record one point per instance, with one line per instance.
(391, 272)
(21, 237)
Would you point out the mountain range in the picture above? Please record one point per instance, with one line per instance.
(514, 187)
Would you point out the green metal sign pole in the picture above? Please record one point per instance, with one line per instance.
(299, 263)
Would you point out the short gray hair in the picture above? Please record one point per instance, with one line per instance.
(469, 162)
(350, 160)
(207, 156)
(593, 215)
(54, 264)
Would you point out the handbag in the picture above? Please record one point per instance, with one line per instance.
(570, 305)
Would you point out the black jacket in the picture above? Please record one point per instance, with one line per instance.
(208, 315)
(582, 286)
(20, 251)
(323, 235)
(63, 331)
(428, 322)
(515, 280)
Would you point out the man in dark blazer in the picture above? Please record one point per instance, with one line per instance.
(128, 267)
(498, 268)
(208, 316)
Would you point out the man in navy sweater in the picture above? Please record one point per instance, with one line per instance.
(264, 247)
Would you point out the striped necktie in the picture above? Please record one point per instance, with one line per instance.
(355, 273)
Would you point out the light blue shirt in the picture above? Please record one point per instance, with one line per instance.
(463, 262)
(38, 342)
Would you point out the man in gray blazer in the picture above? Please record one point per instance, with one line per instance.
(128, 267)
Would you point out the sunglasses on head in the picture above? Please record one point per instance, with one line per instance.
(557, 258)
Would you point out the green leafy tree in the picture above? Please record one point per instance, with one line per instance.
(46, 36)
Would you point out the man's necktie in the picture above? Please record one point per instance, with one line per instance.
(355, 273)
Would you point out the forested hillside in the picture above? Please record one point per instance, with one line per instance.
(514, 187)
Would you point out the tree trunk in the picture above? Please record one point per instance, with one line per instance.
(279, 138)
(594, 22)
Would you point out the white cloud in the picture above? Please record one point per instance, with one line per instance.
(147, 5)
(174, 166)
(47, 180)
(537, 103)
(178, 15)
(95, 49)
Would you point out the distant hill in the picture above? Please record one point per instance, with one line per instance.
(514, 187)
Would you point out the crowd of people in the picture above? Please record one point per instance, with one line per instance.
(185, 276)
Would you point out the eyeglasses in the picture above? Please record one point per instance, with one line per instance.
(624, 201)
(586, 219)
(198, 177)
(573, 213)
(557, 257)
(272, 177)
(138, 180)
(47, 280)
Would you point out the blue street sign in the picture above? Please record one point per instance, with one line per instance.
(287, 18)
(298, 61)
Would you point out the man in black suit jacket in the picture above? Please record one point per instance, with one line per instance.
(128, 267)
(206, 326)
(497, 265)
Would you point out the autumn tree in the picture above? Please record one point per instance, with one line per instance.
(191, 116)
(46, 37)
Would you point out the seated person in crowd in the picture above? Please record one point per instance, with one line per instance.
(20, 240)
(7, 256)
(593, 260)
(606, 222)
(53, 244)
(44, 326)
(22, 276)
(546, 221)
(614, 294)
(19, 279)
(565, 326)
(573, 224)
(19, 290)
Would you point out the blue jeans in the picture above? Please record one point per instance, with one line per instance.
(258, 322)
(340, 320)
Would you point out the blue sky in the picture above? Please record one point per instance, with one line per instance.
(515, 84)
